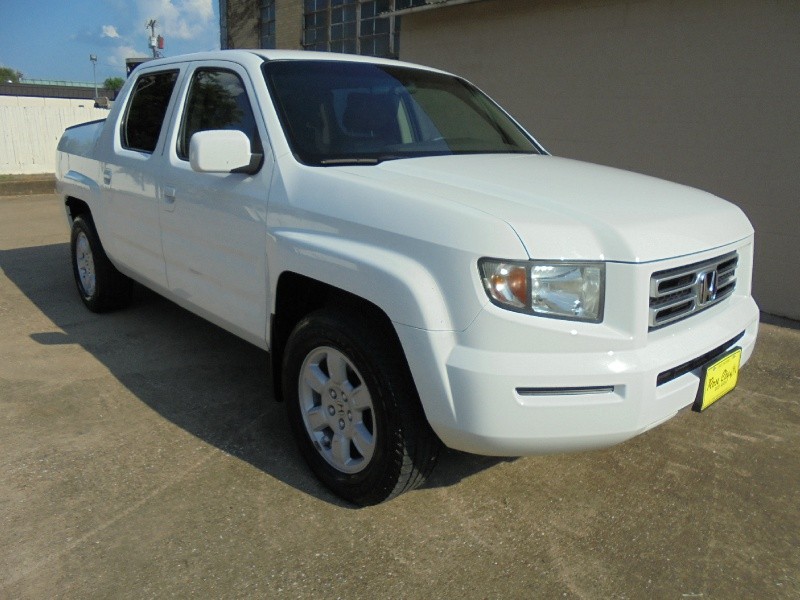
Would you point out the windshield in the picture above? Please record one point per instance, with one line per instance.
(361, 113)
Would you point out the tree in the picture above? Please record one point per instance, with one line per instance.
(9, 75)
(113, 83)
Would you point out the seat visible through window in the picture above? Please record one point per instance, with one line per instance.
(372, 116)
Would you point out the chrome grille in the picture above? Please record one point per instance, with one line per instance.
(678, 293)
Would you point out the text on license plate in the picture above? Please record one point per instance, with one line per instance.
(717, 379)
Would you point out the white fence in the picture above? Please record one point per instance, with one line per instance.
(31, 127)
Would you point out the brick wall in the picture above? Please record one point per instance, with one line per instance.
(243, 24)
(289, 24)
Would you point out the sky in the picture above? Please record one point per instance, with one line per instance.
(52, 39)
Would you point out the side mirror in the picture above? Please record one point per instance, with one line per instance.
(222, 151)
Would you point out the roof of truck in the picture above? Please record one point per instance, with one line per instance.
(246, 55)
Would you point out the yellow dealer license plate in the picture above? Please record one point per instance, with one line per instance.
(717, 379)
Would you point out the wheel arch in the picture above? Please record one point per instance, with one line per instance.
(297, 296)
(76, 207)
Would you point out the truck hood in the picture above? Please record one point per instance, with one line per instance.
(567, 209)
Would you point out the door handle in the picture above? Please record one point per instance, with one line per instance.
(169, 198)
(107, 176)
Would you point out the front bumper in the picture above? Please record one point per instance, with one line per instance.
(512, 385)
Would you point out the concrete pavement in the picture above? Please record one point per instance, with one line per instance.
(142, 457)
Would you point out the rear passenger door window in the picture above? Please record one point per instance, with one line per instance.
(144, 116)
(217, 100)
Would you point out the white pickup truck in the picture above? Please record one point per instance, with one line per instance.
(419, 268)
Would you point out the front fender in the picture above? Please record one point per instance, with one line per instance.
(403, 287)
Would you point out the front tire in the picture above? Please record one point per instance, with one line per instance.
(353, 409)
(100, 285)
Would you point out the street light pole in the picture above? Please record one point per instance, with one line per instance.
(93, 58)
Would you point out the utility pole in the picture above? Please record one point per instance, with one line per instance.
(93, 58)
(156, 41)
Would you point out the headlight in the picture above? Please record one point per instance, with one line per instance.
(561, 290)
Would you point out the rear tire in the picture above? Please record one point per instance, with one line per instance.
(100, 285)
(354, 410)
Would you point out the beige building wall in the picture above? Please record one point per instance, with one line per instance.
(702, 92)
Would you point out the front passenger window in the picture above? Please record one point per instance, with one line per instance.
(217, 100)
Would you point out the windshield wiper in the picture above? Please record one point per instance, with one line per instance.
(362, 160)
(349, 161)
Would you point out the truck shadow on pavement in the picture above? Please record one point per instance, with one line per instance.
(201, 378)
